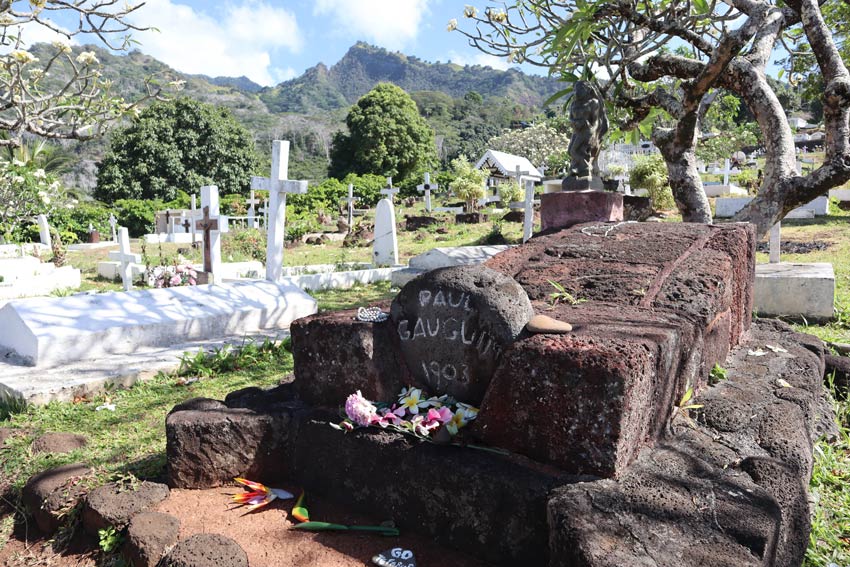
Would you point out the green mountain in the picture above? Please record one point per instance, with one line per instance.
(322, 89)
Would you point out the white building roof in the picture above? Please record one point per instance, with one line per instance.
(506, 164)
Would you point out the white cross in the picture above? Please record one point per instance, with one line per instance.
(775, 243)
(278, 187)
(113, 222)
(426, 188)
(350, 200)
(264, 210)
(125, 257)
(528, 218)
(252, 223)
(389, 190)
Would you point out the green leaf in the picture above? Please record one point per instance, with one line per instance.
(559, 94)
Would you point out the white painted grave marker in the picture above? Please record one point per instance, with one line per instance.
(44, 231)
(528, 218)
(385, 246)
(350, 200)
(113, 222)
(252, 221)
(126, 258)
(775, 243)
(389, 190)
(194, 216)
(278, 187)
(427, 188)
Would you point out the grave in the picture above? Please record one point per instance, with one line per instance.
(445, 257)
(385, 245)
(588, 458)
(28, 276)
(52, 331)
(727, 207)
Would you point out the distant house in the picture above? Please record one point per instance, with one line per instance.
(796, 122)
(502, 168)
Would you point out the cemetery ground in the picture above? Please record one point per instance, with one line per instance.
(129, 443)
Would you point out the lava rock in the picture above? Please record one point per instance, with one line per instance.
(49, 494)
(454, 323)
(840, 365)
(149, 536)
(206, 550)
(636, 208)
(59, 443)
(114, 504)
(415, 223)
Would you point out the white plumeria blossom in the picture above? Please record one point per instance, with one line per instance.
(87, 58)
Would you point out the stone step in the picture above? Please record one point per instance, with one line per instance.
(53, 331)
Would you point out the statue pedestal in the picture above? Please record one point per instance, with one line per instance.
(564, 209)
(592, 183)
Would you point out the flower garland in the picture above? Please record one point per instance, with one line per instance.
(413, 413)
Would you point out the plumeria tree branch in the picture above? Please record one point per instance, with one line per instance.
(63, 95)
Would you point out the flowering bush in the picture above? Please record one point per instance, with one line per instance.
(412, 413)
(26, 191)
(172, 276)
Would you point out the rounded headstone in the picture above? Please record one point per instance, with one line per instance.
(59, 443)
(453, 324)
(206, 550)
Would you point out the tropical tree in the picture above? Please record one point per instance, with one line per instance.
(630, 50)
(538, 143)
(62, 95)
(178, 144)
(469, 183)
(386, 136)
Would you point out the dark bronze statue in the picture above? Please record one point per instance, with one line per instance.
(589, 123)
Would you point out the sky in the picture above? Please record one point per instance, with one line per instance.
(270, 41)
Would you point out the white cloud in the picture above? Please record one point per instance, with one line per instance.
(389, 23)
(238, 41)
(499, 63)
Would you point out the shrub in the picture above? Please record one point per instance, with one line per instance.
(650, 173)
(244, 244)
(510, 192)
(137, 215)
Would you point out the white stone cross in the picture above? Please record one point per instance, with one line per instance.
(528, 203)
(389, 190)
(113, 222)
(427, 188)
(351, 199)
(264, 210)
(194, 217)
(775, 243)
(278, 187)
(252, 221)
(209, 224)
(44, 231)
(125, 257)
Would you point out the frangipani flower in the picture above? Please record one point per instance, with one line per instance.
(452, 25)
(260, 494)
(463, 415)
(411, 400)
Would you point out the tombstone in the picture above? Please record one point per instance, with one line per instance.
(209, 224)
(426, 188)
(775, 243)
(252, 221)
(186, 224)
(528, 219)
(385, 246)
(389, 191)
(350, 200)
(94, 236)
(278, 187)
(264, 210)
(168, 228)
(113, 222)
(44, 231)
(454, 323)
(126, 258)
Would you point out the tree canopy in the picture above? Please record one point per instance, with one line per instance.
(178, 144)
(386, 136)
(661, 65)
(62, 94)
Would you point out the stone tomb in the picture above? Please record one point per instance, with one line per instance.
(51, 331)
(587, 417)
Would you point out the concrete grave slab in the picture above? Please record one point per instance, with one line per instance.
(840, 194)
(727, 207)
(446, 257)
(52, 331)
(794, 290)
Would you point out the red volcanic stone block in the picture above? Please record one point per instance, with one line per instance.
(567, 208)
(587, 402)
(336, 355)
